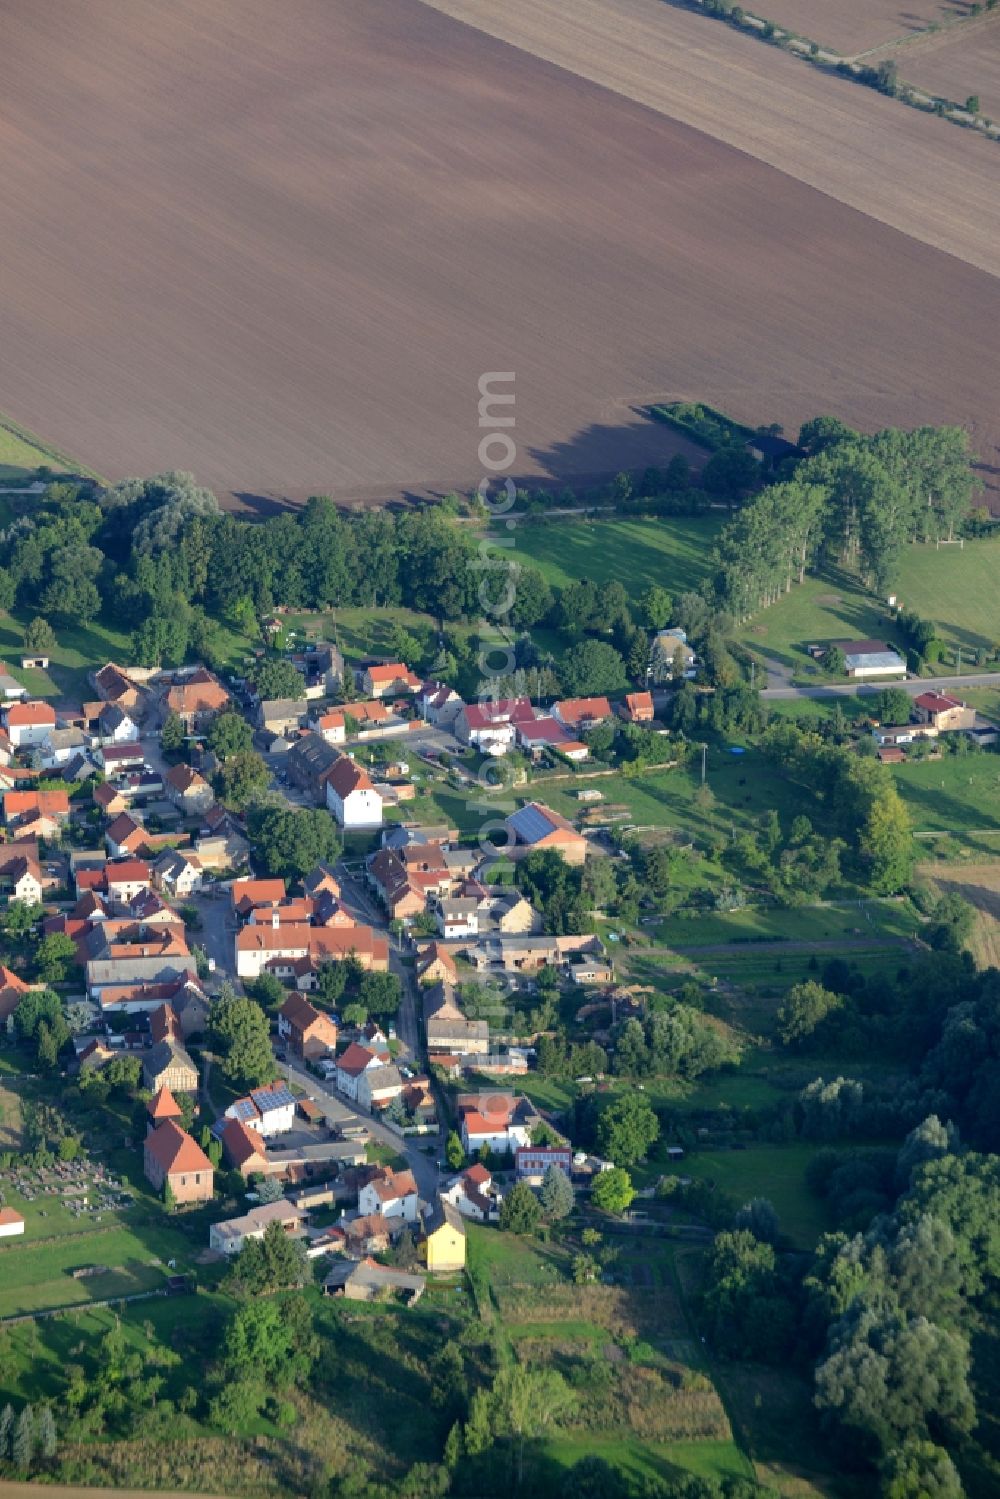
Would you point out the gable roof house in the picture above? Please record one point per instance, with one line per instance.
(535, 826)
(29, 723)
(282, 715)
(197, 699)
(244, 1149)
(474, 1193)
(309, 765)
(114, 685)
(440, 704)
(25, 811)
(267, 1110)
(944, 713)
(391, 1193)
(125, 836)
(580, 713)
(446, 1027)
(354, 1061)
(124, 879)
(178, 872)
(188, 789)
(279, 948)
(230, 1236)
(378, 1086)
(331, 725)
(435, 964)
(390, 680)
(309, 1033)
(167, 1065)
(21, 876)
(170, 1155)
(115, 725)
(637, 707)
(491, 725)
(500, 1120)
(351, 797)
(443, 1246)
(251, 895)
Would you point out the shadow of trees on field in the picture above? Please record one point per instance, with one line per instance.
(599, 451)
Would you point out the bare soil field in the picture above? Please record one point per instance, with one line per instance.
(852, 26)
(281, 256)
(954, 66)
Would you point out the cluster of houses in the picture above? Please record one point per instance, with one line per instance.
(934, 714)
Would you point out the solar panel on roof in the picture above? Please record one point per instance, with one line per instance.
(243, 1109)
(530, 824)
(273, 1098)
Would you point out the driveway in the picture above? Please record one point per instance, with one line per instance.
(217, 930)
(340, 1111)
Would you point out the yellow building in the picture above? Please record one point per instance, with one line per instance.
(444, 1245)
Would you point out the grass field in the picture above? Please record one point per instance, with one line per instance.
(821, 923)
(21, 455)
(674, 552)
(957, 794)
(36, 1276)
(953, 586)
(776, 1172)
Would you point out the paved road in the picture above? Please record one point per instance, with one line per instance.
(339, 1111)
(914, 687)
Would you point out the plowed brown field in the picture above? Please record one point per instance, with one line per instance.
(278, 246)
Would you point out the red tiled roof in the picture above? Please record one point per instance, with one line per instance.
(241, 1144)
(126, 871)
(936, 702)
(163, 1105)
(346, 777)
(30, 715)
(174, 1150)
(355, 1060)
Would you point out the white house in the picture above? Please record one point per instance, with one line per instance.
(269, 1111)
(378, 1086)
(351, 797)
(11, 1223)
(330, 726)
(391, 1193)
(178, 873)
(116, 726)
(457, 916)
(475, 1195)
(439, 703)
(29, 723)
(229, 1237)
(356, 1060)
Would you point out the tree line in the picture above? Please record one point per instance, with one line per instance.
(854, 501)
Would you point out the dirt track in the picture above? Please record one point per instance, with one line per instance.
(281, 256)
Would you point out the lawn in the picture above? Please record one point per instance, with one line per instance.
(79, 649)
(776, 1172)
(743, 789)
(21, 454)
(36, 1276)
(820, 923)
(652, 1460)
(364, 632)
(674, 552)
(955, 587)
(956, 794)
